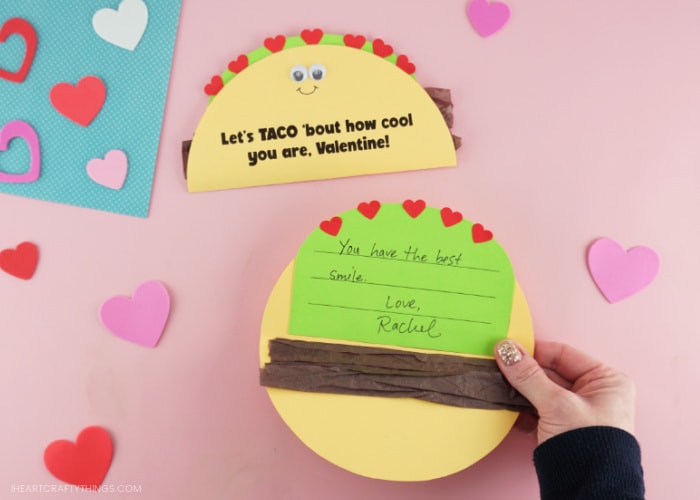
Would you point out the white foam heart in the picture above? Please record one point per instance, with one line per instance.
(123, 27)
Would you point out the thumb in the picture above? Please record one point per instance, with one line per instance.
(525, 374)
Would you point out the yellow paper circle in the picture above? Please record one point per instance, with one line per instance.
(387, 438)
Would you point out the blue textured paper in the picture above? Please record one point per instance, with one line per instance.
(137, 82)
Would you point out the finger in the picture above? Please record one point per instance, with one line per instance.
(525, 374)
(564, 360)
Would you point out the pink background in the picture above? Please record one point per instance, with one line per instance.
(579, 120)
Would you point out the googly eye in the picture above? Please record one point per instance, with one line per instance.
(317, 72)
(298, 73)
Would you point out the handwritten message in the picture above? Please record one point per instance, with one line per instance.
(262, 144)
(403, 281)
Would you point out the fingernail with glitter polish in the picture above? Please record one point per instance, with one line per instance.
(508, 352)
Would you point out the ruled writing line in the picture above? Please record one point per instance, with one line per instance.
(410, 261)
(406, 287)
(397, 312)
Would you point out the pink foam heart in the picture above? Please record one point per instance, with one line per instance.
(140, 319)
(110, 171)
(619, 273)
(487, 18)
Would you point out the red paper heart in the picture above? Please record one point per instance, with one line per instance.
(214, 86)
(370, 209)
(238, 65)
(450, 218)
(414, 208)
(312, 37)
(275, 44)
(80, 103)
(83, 463)
(19, 26)
(480, 235)
(406, 65)
(382, 49)
(354, 41)
(331, 226)
(20, 262)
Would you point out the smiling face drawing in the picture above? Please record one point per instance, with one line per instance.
(316, 111)
(312, 76)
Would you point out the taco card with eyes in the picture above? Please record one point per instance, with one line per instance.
(316, 106)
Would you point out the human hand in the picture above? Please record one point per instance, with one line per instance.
(569, 388)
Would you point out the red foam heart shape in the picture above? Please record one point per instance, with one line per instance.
(414, 208)
(370, 209)
(275, 44)
(21, 261)
(21, 27)
(403, 62)
(239, 64)
(356, 42)
(450, 217)
(480, 235)
(331, 226)
(312, 37)
(80, 103)
(382, 49)
(214, 86)
(83, 463)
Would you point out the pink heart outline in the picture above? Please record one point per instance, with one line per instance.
(141, 318)
(111, 171)
(487, 18)
(23, 130)
(619, 274)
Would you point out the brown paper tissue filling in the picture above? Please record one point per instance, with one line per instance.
(375, 371)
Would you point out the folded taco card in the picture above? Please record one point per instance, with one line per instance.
(316, 106)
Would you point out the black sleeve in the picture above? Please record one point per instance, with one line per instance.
(593, 463)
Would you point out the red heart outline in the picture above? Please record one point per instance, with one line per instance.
(83, 463)
(312, 37)
(370, 209)
(382, 49)
(481, 235)
(403, 62)
(449, 217)
(355, 41)
(80, 103)
(21, 261)
(414, 208)
(331, 226)
(275, 44)
(21, 27)
(214, 86)
(238, 65)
